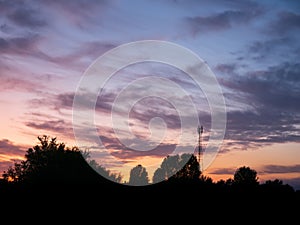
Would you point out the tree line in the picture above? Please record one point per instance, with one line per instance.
(50, 163)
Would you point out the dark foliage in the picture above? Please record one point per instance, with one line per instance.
(53, 172)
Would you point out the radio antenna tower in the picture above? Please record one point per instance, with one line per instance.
(200, 149)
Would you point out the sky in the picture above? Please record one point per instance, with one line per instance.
(50, 56)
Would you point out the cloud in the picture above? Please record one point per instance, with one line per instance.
(58, 126)
(93, 49)
(276, 88)
(284, 48)
(80, 13)
(26, 17)
(125, 153)
(286, 22)
(281, 169)
(272, 112)
(79, 56)
(159, 108)
(18, 84)
(268, 45)
(294, 182)
(284, 169)
(22, 23)
(121, 148)
(226, 68)
(221, 21)
(221, 171)
(5, 165)
(9, 148)
(18, 45)
(65, 100)
(10, 153)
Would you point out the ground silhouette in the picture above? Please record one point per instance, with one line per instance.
(55, 173)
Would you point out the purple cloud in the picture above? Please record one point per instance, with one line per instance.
(272, 112)
(13, 152)
(222, 171)
(286, 22)
(294, 182)
(18, 84)
(281, 169)
(26, 17)
(9, 148)
(58, 126)
(222, 21)
(80, 13)
(5, 165)
(18, 45)
(65, 101)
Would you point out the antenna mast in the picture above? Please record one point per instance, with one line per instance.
(200, 131)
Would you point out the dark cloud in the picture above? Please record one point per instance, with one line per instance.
(281, 169)
(18, 45)
(272, 114)
(22, 22)
(286, 22)
(65, 100)
(121, 148)
(280, 49)
(274, 89)
(78, 57)
(26, 17)
(5, 28)
(222, 21)
(5, 165)
(13, 153)
(16, 84)
(151, 107)
(9, 148)
(294, 182)
(221, 171)
(268, 46)
(94, 49)
(122, 152)
(80, 13)
(226, 68)
(103, 103)
(251, 130)
(28, 46)
(57, 126)
(284, 169)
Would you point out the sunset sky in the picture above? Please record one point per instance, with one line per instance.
(252, 48)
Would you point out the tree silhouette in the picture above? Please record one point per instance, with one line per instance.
(276, 186)
(184, 166)
(52, 162)
(115, 177)
(159, 175)
(138, 176)
(245, 176)
(190, 168)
